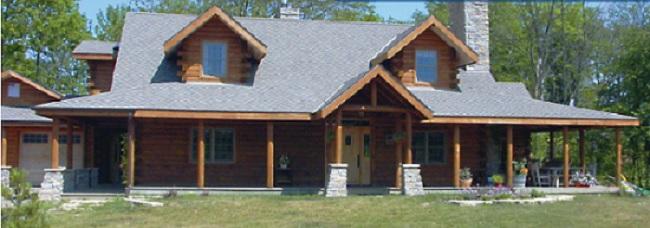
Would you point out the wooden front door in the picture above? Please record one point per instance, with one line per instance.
(356, 153)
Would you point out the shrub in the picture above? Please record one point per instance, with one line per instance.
(25, 210)
(537, 194)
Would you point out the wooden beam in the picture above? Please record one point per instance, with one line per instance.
(509, 155)
(365, 108)
(398, 156)
(566, 166)
(4, 147)
(54, 144)
(409, 138)
(531, 121)
(92, 56)
(619, 155)
(200, 155)
(373, 93)
(131, 151)
(551, 145)
(220, 115)
(69, 146)
(269, 155)
(456, 156)
(338, 153)
(581, 149)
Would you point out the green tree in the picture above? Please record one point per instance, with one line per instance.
(36, 35)
(110, 22)
(26, 209)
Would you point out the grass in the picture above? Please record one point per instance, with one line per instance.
(358, 211)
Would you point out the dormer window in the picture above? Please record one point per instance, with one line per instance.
(13, 90)
(215, 58)
(426, 65)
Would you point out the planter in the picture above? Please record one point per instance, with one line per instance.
(466, 183)
(519, 181)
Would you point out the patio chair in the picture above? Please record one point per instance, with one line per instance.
(540, 178)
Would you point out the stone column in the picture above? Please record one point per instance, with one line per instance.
(6, 171)
(336, 185)
(52, 186)
(412, 180)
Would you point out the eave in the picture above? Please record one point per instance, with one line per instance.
(533, 121)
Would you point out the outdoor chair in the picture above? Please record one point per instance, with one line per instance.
(540, 178)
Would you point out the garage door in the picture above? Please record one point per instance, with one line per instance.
(35, 154)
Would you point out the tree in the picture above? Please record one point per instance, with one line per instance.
(26, 210)
(110, 22)
(36, 35)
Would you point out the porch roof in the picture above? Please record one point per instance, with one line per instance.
(22, 114)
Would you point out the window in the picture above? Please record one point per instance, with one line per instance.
(35, 138)
(63, 139)
(214, 58)
(13, 90)
(219, 145)
(429, 147)
(426, 65)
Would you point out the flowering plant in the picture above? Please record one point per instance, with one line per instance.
(520, 167)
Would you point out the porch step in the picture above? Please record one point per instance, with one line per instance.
(90, 196)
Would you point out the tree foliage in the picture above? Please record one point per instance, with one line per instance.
(25, 210)
(37, 41)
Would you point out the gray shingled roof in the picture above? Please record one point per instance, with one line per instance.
(22, 114)
(308, 64)
(95, 47)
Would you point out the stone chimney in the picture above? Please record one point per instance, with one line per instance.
(288, 12)
(469, 22)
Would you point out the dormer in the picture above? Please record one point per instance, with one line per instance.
(215, 48)
(101, 57)
(427, 54)
(19, 91)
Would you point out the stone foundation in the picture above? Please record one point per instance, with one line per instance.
(412, 180)
(337, 180)
(4, 176)
(52, 186)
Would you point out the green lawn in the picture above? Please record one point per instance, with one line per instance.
(358, 211)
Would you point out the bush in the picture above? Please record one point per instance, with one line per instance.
(537, 194)
(25, 210)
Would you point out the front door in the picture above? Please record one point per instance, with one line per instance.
(356, 153)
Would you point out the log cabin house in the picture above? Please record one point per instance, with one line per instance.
(210, 100)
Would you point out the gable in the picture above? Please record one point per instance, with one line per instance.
(255, 45)
(29, 92)
(392, 86)
(464, 53)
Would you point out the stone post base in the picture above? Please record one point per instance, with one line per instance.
(412, 180)
(52, 186)
(337, 181)
(4, 176)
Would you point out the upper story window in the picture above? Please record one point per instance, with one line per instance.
(215, 58)
(426, 65)
(13, 90)
(429, 147)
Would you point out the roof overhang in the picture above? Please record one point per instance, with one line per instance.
(93, 56)
(11, 123)
(256, 46)
(376, 72)
(465, 54)
(176, 114)
(11, 74)
(533, 121)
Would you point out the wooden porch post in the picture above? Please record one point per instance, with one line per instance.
(565, 136)
(69, 146)
(581, 149)
(200, 155)
(338, 153)
(269, 155)
(551, 145)
(509, 155)
(4, 147)
(456, 156)
(54, 143)
(131, 150)
(409, 138)
(619, 155)
(398, 156)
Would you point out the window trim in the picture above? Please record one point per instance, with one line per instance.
(9, 90)
(217, 162)
(23, 135)
(445, 147)
(437, 63)
(225, 62)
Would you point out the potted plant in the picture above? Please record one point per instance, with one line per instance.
(498, 180)
(284, 161)
(465, 177)
(519, 180)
